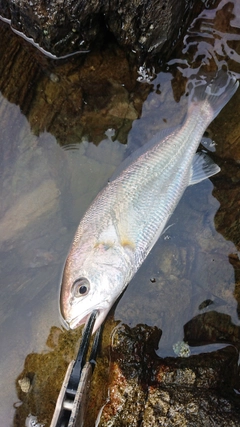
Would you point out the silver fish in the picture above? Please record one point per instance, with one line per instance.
(127, 217)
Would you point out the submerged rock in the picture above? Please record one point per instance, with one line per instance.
(65, 27)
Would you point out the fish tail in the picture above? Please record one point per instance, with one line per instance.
(217, 93)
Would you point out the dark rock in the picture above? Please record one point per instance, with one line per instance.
(64, 27)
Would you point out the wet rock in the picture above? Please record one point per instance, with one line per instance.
(65, 27)
(40, 372)
(188, 409)
(130, 360)
(149, 391)
(74, 100)
(227, 219)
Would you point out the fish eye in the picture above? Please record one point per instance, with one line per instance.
(80, 287)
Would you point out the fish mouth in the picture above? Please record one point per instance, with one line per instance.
(74, 323)
(64, 323)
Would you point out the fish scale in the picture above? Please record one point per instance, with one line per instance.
(129, 214)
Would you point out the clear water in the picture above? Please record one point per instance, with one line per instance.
(47, 182)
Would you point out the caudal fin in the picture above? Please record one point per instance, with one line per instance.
(217, 93)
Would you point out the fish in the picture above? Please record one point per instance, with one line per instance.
(128, 216)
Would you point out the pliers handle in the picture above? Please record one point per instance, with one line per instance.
(72, 399)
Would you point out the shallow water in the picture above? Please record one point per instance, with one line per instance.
(50, 172)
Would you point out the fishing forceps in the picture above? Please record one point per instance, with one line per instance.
(71, 404)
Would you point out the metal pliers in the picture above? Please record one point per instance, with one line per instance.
(72, 400)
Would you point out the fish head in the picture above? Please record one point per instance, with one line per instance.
(90, 284)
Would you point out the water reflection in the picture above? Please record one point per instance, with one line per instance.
(212, 40)
(190, 278)
(43, 191)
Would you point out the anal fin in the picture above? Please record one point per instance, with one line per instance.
(203, 167)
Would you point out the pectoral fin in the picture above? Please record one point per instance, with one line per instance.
(202, 168)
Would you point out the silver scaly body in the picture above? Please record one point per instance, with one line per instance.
(129, 214)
